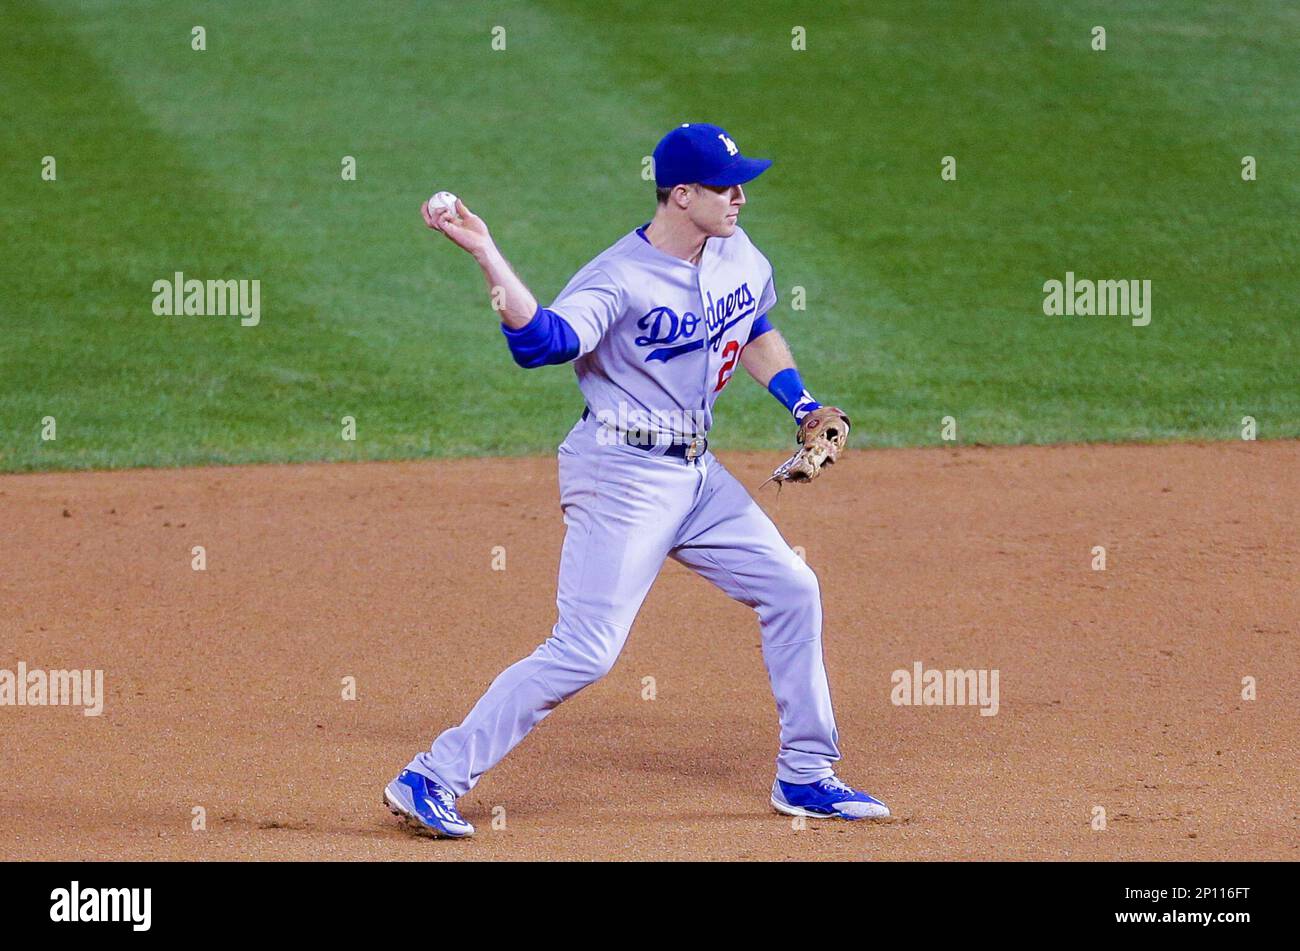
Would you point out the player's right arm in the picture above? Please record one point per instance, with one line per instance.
(511, 297)
(537, 336)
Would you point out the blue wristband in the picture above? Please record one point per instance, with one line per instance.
(788, 388)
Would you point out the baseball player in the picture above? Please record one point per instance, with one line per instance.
(655, 326)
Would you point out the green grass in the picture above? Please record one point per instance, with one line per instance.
(924, 296)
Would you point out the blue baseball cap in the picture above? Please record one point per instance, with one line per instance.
(704, 153)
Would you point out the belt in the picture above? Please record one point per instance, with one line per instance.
(643, 439)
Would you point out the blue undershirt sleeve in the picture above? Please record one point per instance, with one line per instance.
(546, 339)
(761, 326)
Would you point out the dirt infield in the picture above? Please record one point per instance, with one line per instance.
(1119, 689)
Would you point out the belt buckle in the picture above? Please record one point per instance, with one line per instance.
(696, 448)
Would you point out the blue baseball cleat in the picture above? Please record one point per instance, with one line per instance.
(426, 806)
(827, 798)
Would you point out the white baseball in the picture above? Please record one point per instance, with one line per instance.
(440, 201)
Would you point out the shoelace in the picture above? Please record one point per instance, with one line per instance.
(834, 782)
(443, 796)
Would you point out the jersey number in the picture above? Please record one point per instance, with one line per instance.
(730, 354)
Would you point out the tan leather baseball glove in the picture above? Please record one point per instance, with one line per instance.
(822, 435)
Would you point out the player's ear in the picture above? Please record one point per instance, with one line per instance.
(683, 195)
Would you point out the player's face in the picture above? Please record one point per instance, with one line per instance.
(714, 209)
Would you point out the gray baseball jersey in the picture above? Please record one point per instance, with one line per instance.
(660, 337)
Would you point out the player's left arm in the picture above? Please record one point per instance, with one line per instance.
(768, 360)
(823, 430)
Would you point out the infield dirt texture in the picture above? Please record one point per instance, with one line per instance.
(1162, 690)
